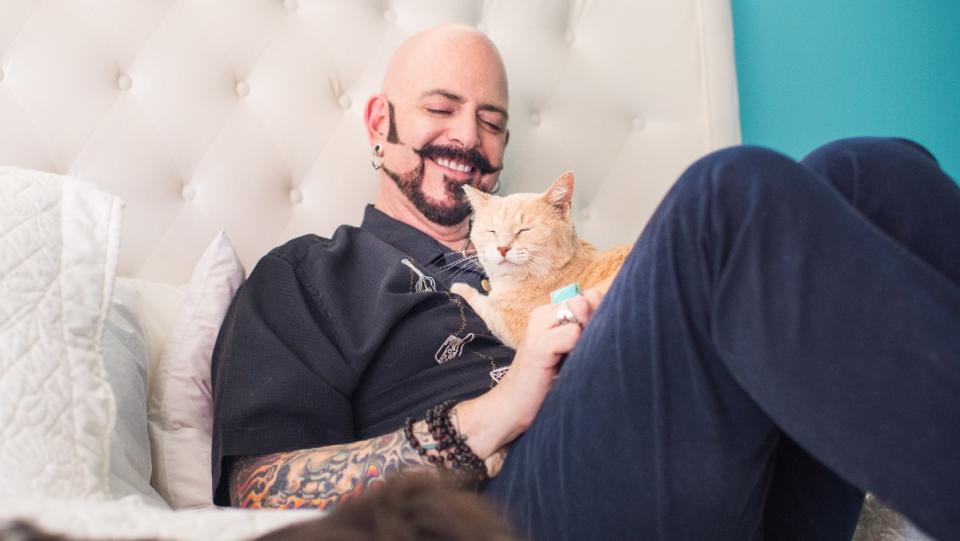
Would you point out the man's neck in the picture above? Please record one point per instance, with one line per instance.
(401, 209)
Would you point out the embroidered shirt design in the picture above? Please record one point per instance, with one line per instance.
(452, 347)
(497, 374)
(423, 282)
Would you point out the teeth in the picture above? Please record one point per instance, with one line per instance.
(456, 166)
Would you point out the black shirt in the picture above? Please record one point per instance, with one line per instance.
(336, 340)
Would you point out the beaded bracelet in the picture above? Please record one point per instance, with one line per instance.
(450, 445)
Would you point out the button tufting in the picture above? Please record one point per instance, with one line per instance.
(390, 15)
(344, 101)
(243, 89)
(124, 82)
(639, 123)
(570, 37)
(296, 196)
(188, 192)
(535, 118)
(291, 5)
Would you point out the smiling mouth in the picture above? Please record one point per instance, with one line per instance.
(457, 167)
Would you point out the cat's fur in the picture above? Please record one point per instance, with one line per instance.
(527, 245)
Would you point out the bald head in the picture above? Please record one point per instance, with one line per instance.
(439, 122)
(433, 54)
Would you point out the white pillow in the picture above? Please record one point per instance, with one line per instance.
(160, 305)
(59, 241)
(180, 407)
(125, 359)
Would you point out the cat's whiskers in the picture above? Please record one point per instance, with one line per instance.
(539, 269)
(539, 264)
(472, 259)
(468, 263)
(454, 269)
(456, 275)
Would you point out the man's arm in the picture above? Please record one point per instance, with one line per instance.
(325, 476)
(322, 477)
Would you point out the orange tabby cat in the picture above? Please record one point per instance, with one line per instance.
(528, 247)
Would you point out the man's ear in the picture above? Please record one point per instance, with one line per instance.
(507, 140)
(560, 195)
(476, 197)
(376, 118)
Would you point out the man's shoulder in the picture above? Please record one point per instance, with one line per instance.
(305, 247)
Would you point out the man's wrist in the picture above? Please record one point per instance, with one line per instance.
(486, 428)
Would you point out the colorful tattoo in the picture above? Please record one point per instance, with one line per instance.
(322, 478)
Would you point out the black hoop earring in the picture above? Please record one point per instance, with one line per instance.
(376, 160)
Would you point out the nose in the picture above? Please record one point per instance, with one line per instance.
(464, 129)
(503, 250)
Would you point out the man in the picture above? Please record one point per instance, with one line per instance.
(782, 337)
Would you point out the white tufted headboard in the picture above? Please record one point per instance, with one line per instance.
(246, 115)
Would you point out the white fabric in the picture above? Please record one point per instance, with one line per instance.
(126, 359)
(181, 401)
(247, 116)
(160, 306)
(131, 519)
(59, 239)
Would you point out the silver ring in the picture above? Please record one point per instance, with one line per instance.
(564, 315)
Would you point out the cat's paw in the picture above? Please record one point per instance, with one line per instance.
(462, 289)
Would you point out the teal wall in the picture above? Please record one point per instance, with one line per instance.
(810, 71)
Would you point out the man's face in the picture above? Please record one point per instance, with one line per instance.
(447, 127)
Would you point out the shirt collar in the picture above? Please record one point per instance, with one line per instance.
(421, 247)
(403, 237)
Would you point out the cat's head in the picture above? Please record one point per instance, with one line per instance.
(525, 234)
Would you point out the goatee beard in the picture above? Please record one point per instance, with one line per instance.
(411, 184)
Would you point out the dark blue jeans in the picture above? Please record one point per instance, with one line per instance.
(783, 337)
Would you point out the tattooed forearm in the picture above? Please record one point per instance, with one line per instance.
(324, 477)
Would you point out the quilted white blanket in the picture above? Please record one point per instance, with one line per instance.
(59, 240)
(130, 519)
(58, 248)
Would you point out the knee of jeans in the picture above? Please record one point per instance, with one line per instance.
(738, 170)
(863, 149)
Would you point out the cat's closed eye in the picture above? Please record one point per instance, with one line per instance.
(524, 229)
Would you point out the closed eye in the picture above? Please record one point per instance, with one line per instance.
(524, 229)
(490, 231)
(441, 112)
(495, 128)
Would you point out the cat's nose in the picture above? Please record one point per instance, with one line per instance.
(503, 250)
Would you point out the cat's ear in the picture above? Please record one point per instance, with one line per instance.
(476, 197)
(560, 195)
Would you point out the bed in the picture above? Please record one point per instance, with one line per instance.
(152, 151)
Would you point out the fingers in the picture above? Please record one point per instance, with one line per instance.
(593, 296)
(563, 338)
(543, 317)
(583, 306)
(545, 336)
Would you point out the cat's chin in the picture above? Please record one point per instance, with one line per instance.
(503, 267)
(508, 271)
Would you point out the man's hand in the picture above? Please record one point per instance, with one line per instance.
(497, 417)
